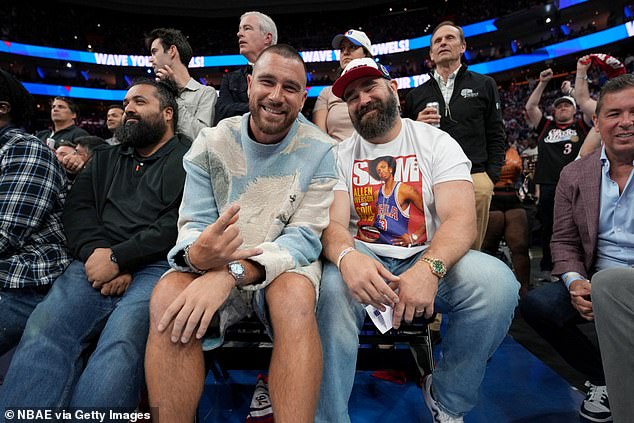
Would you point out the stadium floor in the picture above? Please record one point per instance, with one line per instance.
(517, 388)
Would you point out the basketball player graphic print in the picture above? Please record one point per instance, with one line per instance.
(390, 205)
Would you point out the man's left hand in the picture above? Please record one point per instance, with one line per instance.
(99, 268)
(417, 292)
(196, 305)
(117, 286)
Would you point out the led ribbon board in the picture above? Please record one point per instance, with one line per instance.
(564, 48)
(132, 60)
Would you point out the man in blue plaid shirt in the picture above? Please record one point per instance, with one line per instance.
(32, 193)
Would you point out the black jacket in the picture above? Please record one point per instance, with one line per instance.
(474, 118)
(233, 99)
(157, 190)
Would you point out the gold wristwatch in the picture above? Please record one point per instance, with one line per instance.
(436, 265)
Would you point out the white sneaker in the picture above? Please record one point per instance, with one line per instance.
(437, 414)
(596, 406)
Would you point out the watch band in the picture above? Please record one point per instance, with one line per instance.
(188, 262)
(436, 265)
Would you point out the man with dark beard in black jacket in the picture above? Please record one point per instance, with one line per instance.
(469, 110)
(120, 221)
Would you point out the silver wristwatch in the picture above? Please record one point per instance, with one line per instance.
(237, 270)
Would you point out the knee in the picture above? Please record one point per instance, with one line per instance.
(291, 302)
(495, 283)
(611, 283)
(165, 292)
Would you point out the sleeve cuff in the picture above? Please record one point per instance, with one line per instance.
(570, 277)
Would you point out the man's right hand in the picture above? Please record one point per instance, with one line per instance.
(194, 308)
(546, 75)
(583, 64)
(429, 115)
(580, 298)
(368, 280)
(220, 243)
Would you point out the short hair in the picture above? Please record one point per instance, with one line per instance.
(614, 85)
(116, 106)
(166, 93)
(448, 23)
(65, 143)
(391, 163)
(90, 142)
(171, 37)
(284, 50)
(70, 102)
(13, 92)
(266, 24)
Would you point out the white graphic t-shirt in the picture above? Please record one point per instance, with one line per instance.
(392, 207)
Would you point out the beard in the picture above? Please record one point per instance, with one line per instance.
(384, 119)
(144, 133)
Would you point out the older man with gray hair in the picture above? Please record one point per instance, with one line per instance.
(256, 32)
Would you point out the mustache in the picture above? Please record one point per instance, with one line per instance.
(374, 105)
(129, 116)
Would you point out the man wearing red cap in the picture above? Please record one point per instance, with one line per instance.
(420, 261)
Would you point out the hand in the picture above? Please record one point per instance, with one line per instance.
(580, 298)
(546, 75)
(117, 286)
(417, 292)
(366, 278)
(167, 72)
(583, 64)
(429, 115)
(196, 305)
(566, 88)
(99, 268)
(220, 243)
(73, 163)
(404, 241)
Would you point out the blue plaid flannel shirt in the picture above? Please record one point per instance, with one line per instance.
(32, 193)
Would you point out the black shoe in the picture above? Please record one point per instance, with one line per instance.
(596, 406)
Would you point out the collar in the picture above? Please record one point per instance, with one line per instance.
(451, 76)
(192, 85)
(127, 150)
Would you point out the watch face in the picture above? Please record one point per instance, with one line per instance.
(236, 269)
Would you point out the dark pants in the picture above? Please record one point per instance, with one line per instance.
(548, 310)
(546, 211)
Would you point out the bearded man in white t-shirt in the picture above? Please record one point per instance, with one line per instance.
(434, 270)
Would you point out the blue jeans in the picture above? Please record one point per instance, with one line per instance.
(16, 305)
(48, 367)
(478, 294)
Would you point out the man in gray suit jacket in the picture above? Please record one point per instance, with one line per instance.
(593, 233)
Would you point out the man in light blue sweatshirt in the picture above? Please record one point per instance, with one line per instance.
(277, 173)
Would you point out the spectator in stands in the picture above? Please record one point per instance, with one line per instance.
(508, 219)
(283, 201)
(437, 271)
(256, 32)
(120, 221)
(64, 113)
(114, 119)
(86, 147)
(32, 193)
(330, 112)
(559, 141)
(170, 55)
(67, 155)
(613, 288)
(592, 233)
(469, 110)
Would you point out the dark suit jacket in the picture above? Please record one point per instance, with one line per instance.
(233, 99)
(576, 223)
